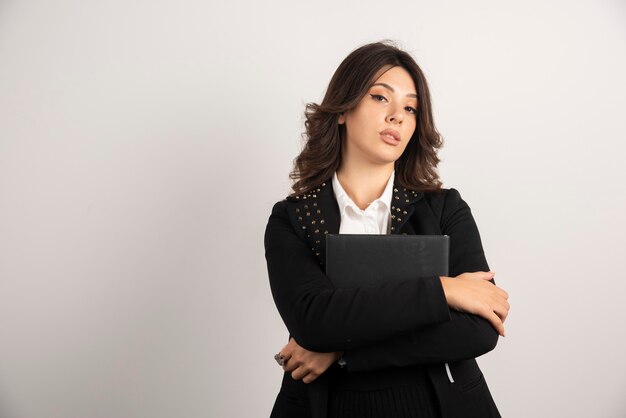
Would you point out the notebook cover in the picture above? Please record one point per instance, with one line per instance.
(355, 260)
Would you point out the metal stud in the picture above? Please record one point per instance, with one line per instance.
(404, 211)
(322, 221)
(312, 222)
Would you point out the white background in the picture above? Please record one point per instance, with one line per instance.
(143, 143)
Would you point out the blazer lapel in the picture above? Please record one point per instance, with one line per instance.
(317, 214)
(402, 207)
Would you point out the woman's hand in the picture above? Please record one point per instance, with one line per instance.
(473, 293)
(304, 364)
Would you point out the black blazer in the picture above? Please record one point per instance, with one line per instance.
(394, 325)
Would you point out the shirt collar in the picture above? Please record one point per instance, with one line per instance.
(343, 200)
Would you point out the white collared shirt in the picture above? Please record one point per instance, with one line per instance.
(373, 220)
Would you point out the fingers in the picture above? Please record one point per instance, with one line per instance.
(290, 365)
(304, 371)
(499, 304)
(307, 375)
(286, 353)
(293, 355)
(485, 275)
(501, 292)
(502, 310)
(299, 373)
(496, 322)
(308, 372)
(488, 276)
(495, 309)
(309, 378)
(306, 365)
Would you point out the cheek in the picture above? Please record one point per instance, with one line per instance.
(356, 128)
(405, 145)
(414, 123)
(413, 128)
(403, 148)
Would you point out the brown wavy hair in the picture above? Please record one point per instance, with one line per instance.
(416, 169)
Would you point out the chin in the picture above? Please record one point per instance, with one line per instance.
(385, 160)
(390, 157)
(384, 155)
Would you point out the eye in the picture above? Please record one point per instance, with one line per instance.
(411, 110)
(378, 97)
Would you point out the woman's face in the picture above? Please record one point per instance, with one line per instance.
(388, 108)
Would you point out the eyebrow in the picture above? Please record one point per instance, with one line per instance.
(387, 86)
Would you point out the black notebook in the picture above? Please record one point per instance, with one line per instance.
(355, 260)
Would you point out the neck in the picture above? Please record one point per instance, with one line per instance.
(364, 183)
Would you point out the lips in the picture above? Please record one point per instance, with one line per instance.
(391, 133)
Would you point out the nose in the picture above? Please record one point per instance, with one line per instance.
(395, 116)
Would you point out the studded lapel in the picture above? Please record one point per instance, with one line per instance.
(402, 208)
(316, 214)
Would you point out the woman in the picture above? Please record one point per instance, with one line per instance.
(369, 166)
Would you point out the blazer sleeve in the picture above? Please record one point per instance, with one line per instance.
(465, 335)
(322, 318)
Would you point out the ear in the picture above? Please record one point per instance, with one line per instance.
(342, 119)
